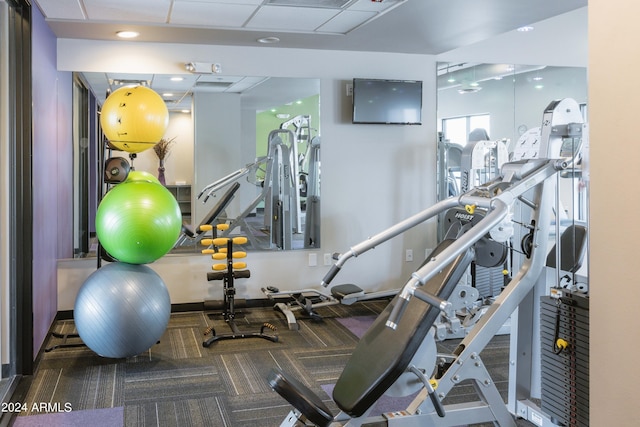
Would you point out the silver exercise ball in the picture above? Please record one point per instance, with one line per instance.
(122, 310)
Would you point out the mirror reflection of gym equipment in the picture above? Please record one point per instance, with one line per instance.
(285, 213)
(397, 355)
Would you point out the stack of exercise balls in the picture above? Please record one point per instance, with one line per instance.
(123, 308)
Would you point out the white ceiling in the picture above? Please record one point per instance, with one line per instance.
(400, 26)
(433, 27)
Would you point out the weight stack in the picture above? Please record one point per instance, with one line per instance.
(565, 372)
(489, 281)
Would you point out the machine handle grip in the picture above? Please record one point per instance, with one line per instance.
(439, 303)
(437, 404)
(396, 313)
(333, 271)
(431, 391)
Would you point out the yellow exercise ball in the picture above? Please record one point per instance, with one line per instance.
(134, 118)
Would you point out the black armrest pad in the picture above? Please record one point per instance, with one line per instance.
(300, 397)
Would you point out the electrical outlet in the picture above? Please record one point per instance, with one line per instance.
(349, 89)
(313, 260)
(327, 259)
(408, 255)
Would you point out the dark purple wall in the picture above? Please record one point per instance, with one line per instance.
(52, 175)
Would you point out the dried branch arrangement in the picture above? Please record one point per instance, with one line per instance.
(163, 147)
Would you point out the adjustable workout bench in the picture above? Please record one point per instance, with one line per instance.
(308, 300)
(381, 356)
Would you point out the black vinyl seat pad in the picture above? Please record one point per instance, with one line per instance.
(300, 397)
(383, 354)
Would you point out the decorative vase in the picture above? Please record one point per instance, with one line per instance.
(161, 173)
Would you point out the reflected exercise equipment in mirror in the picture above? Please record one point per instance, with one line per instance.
(489, 115)
(262, 133)
(504, 101)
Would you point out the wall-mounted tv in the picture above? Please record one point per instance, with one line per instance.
(387, 101)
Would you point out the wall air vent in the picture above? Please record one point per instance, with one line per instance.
(322, 4)
(205, 86)
(129, 82)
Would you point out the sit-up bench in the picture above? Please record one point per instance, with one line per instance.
(381, 356)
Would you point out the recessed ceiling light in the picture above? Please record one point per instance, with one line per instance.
(177, 79)
(268, 40)
(167, 95)
(127, 34)
(525, 29)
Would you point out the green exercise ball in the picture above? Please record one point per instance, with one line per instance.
(138, 222)
(141, 176)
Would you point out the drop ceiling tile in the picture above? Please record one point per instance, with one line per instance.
(375, 6)
(331, 4)
(136, 11)
(210, 14)
(253, 2)
(345, 22)
(285, 18)
(61, 9)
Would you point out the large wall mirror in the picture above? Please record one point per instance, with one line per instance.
(503, 103)
(241, 150)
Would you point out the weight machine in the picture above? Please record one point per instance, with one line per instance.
(291, 181)
(397, 355)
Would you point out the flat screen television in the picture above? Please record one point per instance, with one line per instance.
(387, 101)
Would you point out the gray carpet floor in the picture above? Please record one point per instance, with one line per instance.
(178, 382)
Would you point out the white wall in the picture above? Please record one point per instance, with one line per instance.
(179, 164)
(372, 176)
(218, 136)
(614, 58)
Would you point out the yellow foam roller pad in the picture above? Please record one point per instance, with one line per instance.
(206, 227)
(219, 267)
(219, 255)
(239, 254)
(239, 265)
(222, 227)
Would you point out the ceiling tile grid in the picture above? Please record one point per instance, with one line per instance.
(305, 16)
(211, 14)
(155, 11)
